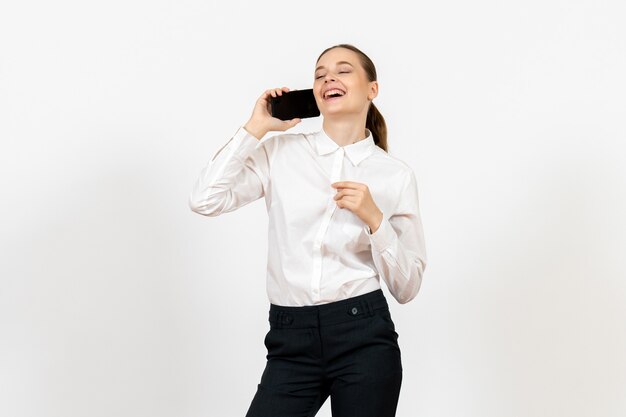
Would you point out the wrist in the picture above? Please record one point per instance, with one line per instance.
(376, 221)
(255, 129)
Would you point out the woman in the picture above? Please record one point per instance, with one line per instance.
(343, 213)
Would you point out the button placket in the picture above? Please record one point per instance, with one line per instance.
(337, 165)
(316, 278)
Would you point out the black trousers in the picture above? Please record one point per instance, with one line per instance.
(346, 349)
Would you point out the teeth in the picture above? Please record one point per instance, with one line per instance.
(329, 92)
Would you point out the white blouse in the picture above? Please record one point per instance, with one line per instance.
(318, 252)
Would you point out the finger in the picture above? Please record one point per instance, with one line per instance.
(343, 184)
(293, 122)
(268, 94)
(348, 201)
(348, 192)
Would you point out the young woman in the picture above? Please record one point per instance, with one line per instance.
(343, 213)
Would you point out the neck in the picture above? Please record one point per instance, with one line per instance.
(344, 132)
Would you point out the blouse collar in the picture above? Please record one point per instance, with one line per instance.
(356, 152)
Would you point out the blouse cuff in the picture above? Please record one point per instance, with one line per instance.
(244, 143)
(383, 237)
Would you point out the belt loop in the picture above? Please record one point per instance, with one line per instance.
(370, 310)
(279, 319)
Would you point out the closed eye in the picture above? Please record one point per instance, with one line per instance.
(340, 72)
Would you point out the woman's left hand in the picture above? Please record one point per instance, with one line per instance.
(356, 197)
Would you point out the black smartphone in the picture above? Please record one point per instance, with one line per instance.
(294, 104)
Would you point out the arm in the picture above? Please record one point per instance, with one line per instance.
(398, 247)
(237, 174)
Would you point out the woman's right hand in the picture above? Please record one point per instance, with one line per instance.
(262, 121)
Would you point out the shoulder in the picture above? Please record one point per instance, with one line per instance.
(391, 164)
(282, 142)
(284, 138)
(271, 142)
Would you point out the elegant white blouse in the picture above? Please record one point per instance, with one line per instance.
(318, 252)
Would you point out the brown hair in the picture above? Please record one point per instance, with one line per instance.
(375, 121)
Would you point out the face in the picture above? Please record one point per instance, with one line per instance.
(341, 69)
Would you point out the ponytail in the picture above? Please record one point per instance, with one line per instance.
(376, 124)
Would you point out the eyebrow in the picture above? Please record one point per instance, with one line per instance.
(338, 62)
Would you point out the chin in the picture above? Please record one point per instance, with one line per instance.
(334, 112)
(337, 110)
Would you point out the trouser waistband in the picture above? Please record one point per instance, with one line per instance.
(326, 314)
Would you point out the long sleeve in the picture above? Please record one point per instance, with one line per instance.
(237, 174)
(398, 247)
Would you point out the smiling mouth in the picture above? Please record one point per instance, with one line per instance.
(334, 95)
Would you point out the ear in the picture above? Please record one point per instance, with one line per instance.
(373, 90)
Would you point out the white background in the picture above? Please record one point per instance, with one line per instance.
(117, 300)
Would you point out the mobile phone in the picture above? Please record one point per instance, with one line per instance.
(294, 104)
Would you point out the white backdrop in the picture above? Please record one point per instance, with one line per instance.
(117, 300)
